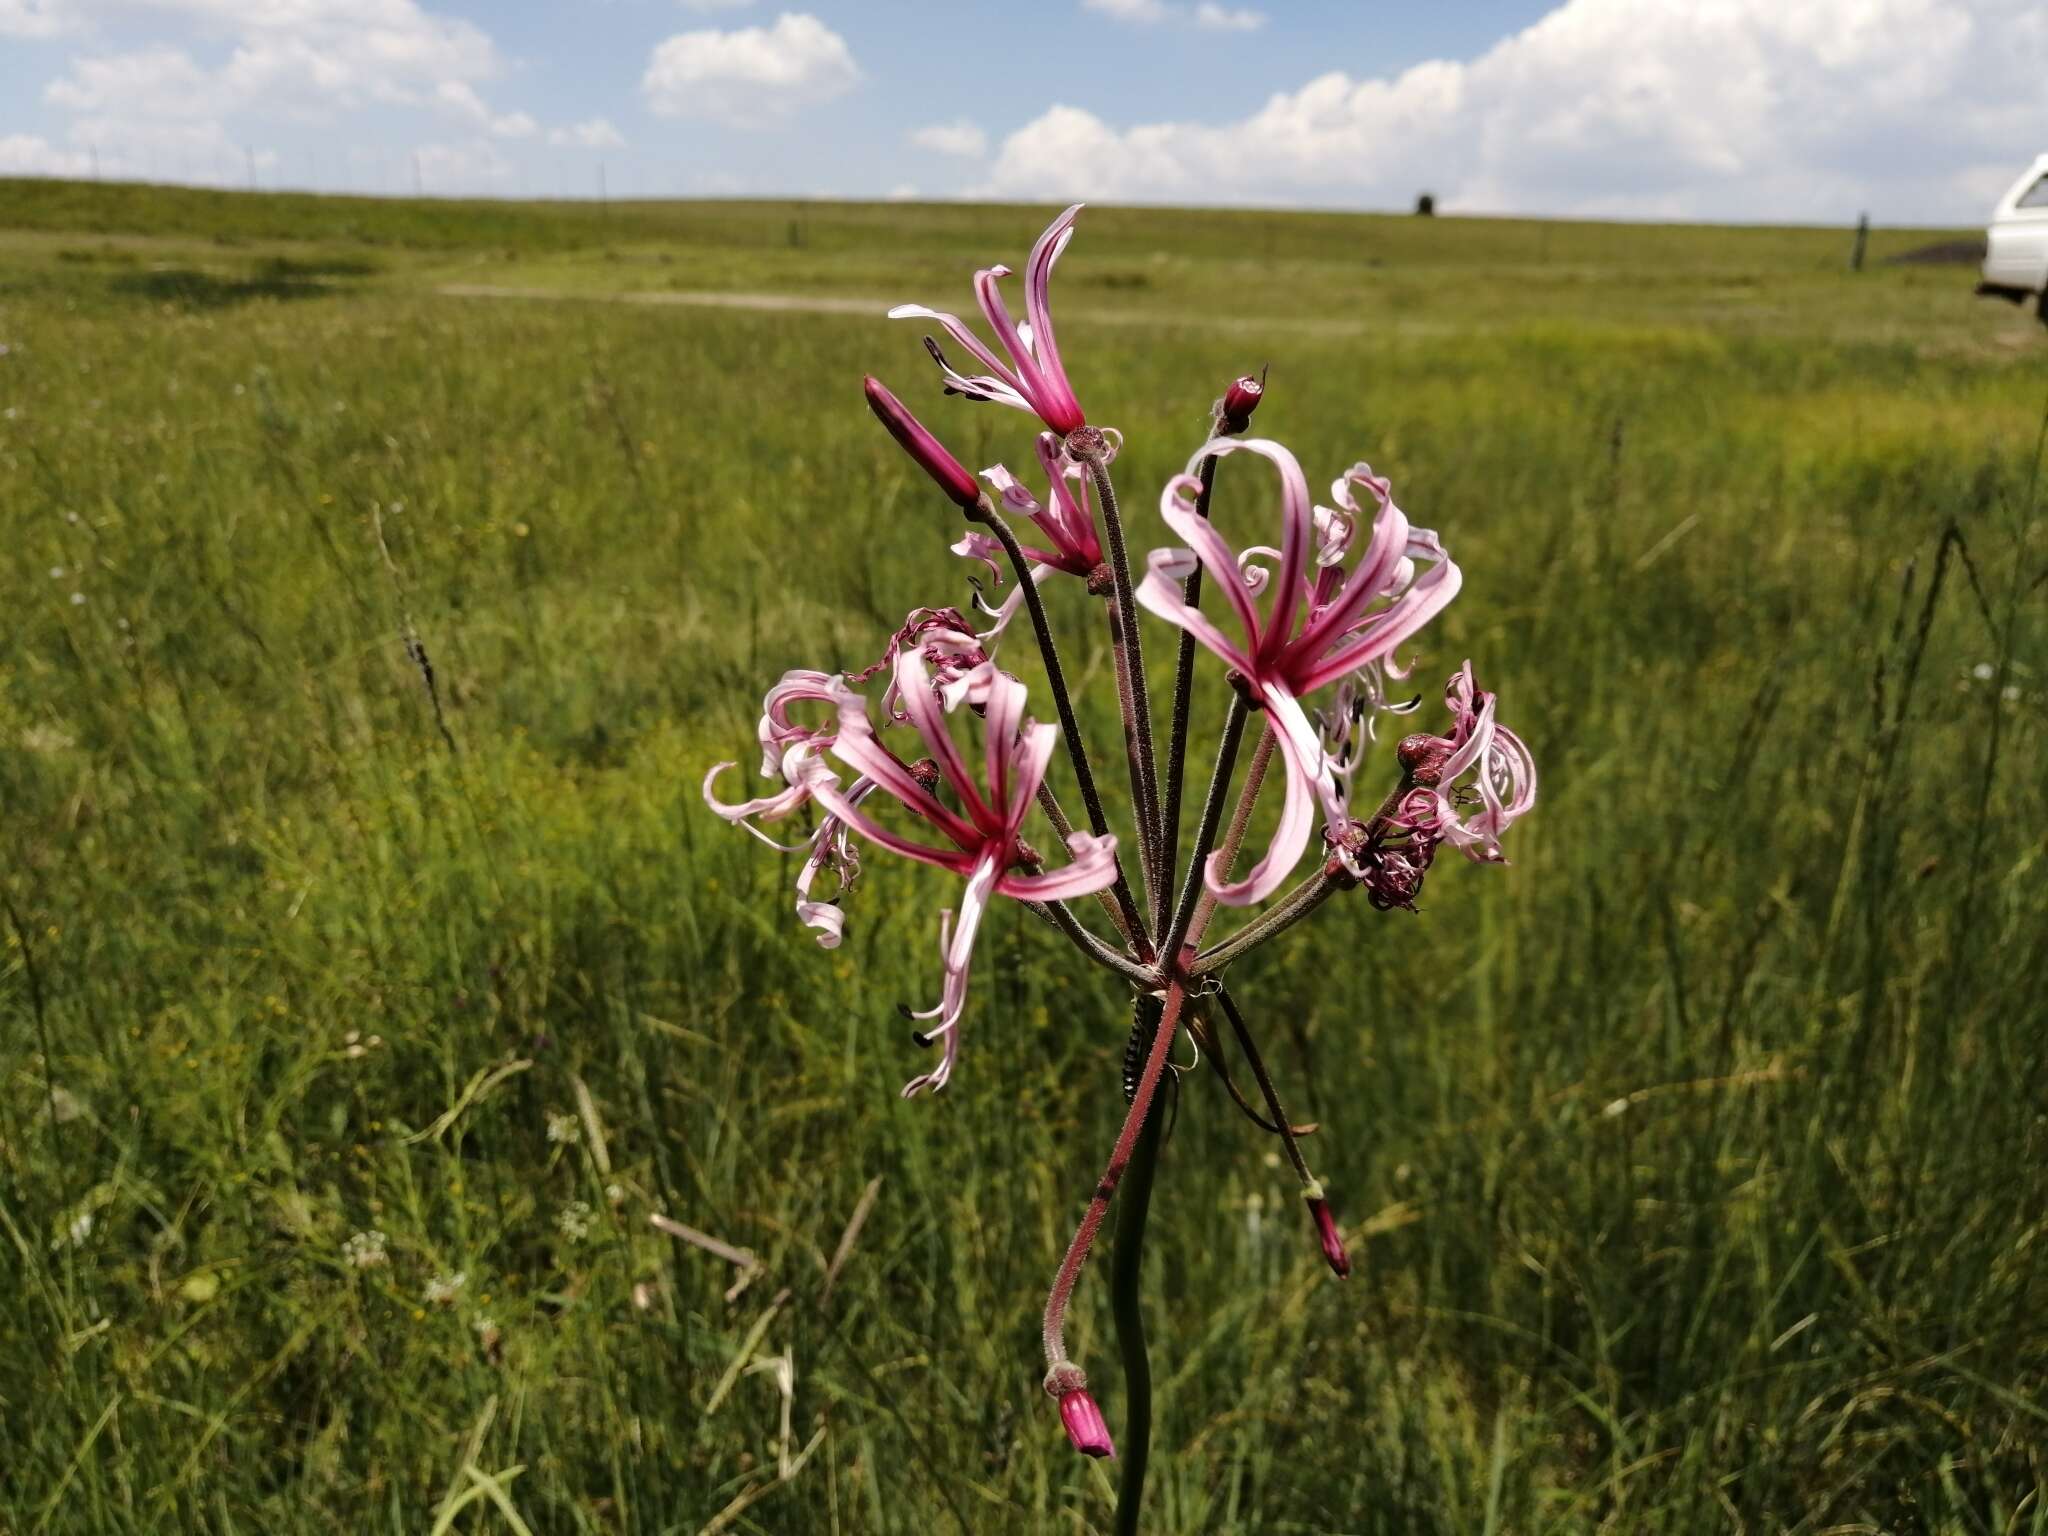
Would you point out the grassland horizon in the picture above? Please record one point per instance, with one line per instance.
(1693, 1165)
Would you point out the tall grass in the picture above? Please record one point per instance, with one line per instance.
(1696, 1163)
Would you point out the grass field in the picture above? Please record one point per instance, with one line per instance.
(1695, 1165)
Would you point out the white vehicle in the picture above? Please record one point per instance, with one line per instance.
(2016, 245)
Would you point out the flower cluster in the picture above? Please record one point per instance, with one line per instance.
(925, 749)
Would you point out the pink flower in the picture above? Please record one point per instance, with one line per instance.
(1503, 782)
(1240, 400)
(787, 747)
(1085, 1426)
(1349, 723)
(1033, 379)
(1322, 622)
(946, 641)
(1068, 521)
(1398, 852)
(790, 753)
(931, 455)
(980, 842)
(1333, 1240)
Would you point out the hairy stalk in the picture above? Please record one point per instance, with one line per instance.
(1183, 697)
(1212, 1052)
(1192, 884)
(1126, 1259)
(1284, 1127)
(1240, 822)
(1292, 908)
(1061, 916)
(1135, 752)
(1054, 1331)
(1132, 690)
(1070, 727)
(1063, 824)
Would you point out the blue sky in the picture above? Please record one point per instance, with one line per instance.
(1918, 110)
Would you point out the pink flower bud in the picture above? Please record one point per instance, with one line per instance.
(1239, 401)
(1423, 756)
(931, 455)
(1085, 1425)
(1333, 1241)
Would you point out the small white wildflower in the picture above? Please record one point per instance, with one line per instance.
(563, 1128)
(366, 1250)
(72, 518)
(2011, 693)
(574, 1220)
(1983, 671)
(78, 599)
(8, 414)
(56, 573)
(615, 1193)
(81, 1228)
(442, 1289)
(485, 1325)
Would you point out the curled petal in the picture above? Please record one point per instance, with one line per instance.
(1161, 592)
(1012, 492)
(1218, 558)
(1093, 868)
(928, 717)
(859, 821)
(957, 942)
(985, 547)
(830, 850)
(857, 747)
(1010, 605)
(1309, 781)
(1283, 851)
(1038, 312)
(801, 767)
(1007, 389)
(1297, 531)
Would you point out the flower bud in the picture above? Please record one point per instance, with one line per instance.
(1239, 401)
(1333, 1241)
(1423, 756)
(945, 470)
(1086, 1427)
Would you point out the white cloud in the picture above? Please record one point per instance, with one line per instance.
(962, 136)
(1744, 109)
(1221, 18)
(749, 76)
(1130, 10)
(903, 192)
(462, 167)
(27, 154)
(157, 82)
(593, 133)
(31, 18)
(299, 60)
(460, 97)
(1207, 14)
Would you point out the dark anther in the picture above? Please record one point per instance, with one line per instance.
(939, 357)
